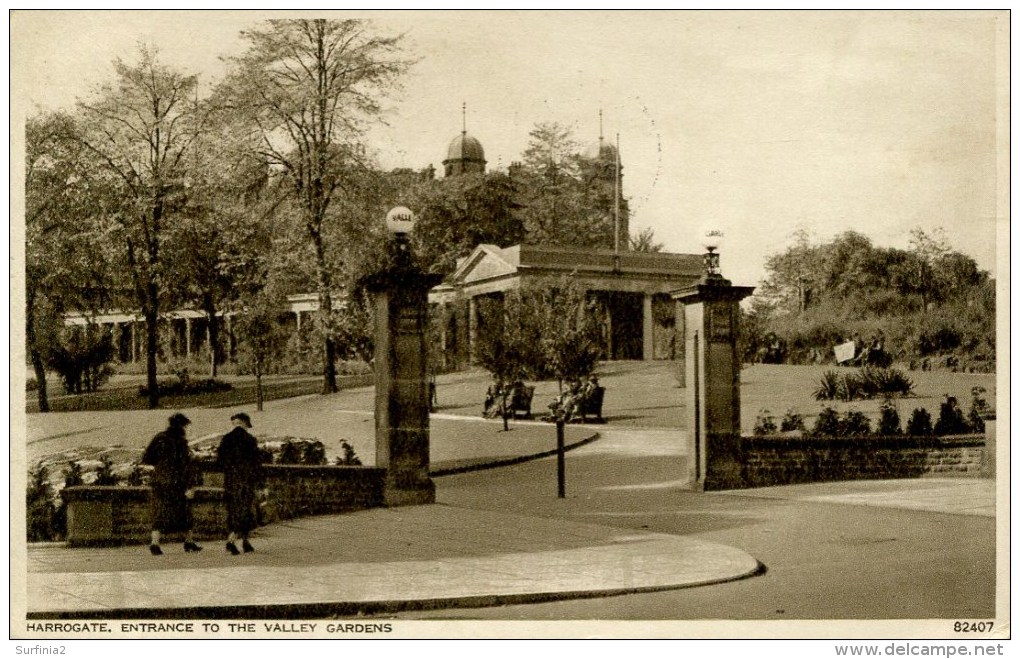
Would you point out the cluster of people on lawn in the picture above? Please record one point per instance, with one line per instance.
(871, 352)
(852, 351)
(503, 398)
(173, 474)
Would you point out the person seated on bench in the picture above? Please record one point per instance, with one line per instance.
(493, 406)
(520, 399)
(567, 404)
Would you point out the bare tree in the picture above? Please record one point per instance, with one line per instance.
(308, 90)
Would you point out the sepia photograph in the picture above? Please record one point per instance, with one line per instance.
(511, 324)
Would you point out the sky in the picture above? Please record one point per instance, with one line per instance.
(758, 124)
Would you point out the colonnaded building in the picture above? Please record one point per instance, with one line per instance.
(632, 289)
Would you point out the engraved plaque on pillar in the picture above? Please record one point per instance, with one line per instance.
(408, 320)
(720, 322)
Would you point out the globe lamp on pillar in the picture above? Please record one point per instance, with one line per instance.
(712, 241)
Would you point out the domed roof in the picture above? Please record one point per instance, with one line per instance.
(601, 150)
(465, 147)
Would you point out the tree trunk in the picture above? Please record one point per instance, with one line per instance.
(258, 384)
(151, 348)
(33, 350)
(209, 307)
(506, 426)
(40, 379)
(151, 302)
(329, 385)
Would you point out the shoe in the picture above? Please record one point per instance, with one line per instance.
(246, 546)
(155, 550)
(191, 546)
(232, 548)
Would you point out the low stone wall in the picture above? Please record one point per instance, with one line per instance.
(110, 515)
(784, 461)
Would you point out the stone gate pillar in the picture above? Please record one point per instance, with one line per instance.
(712, 378)
(401, 377)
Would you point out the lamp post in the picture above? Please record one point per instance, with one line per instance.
(400, 221)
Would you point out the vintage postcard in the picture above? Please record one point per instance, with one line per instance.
(511, 324)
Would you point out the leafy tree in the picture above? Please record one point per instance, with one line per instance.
(221, 242)
(459, 213)
(854, 423)
(644, 241)
(927, 249)
(262, 337)
(504, 350)
(765, 423)
(951, 420)
(140, 130)
(66, 249)
(567, 324)
(926, 300)
(552, 149)
(566, 198)
(306, 90)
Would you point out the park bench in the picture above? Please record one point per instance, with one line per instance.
(592, 406)
(520, 401)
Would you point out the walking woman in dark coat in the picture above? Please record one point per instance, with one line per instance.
(239, 458)
(170, 456)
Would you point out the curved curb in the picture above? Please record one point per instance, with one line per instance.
(324, 610)
(486, 463)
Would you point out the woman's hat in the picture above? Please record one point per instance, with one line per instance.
(178, 420)
(241, 416)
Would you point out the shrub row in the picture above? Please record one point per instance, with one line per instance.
(854, 423)
(185, 387)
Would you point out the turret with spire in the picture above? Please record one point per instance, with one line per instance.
(609, 171)
(465, 154)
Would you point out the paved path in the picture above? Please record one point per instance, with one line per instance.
(377, 560)
(855, 551)
(475, 548)
(385, 560)
(964, 496)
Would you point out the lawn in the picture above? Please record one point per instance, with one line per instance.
(638, 394)
(645, 394)
(122, 394)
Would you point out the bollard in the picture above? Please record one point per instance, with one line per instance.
(561, 483)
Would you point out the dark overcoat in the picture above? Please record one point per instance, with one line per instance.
(239, 458)
(170, 456)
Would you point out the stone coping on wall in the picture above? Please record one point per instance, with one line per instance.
(119, 514)
(129, 493)
(876, 441)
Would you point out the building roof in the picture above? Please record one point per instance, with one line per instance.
(601, 150)
(493, 268)
(465, 147)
